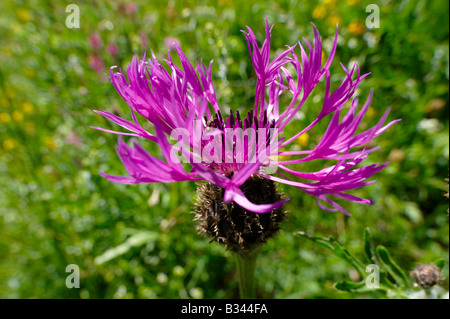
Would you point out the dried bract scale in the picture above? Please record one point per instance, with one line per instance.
(229, 224)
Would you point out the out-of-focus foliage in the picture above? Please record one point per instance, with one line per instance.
(140, 241)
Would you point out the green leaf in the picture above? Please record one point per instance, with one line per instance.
(136, 240)
(443, 264)
(394, 270)
(368, 247)
(336, 249)
(379, 256)
(349, 258)
(350, 286)
(361, 287)
(440, 262)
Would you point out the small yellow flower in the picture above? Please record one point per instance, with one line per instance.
(353, 2)
(50, 143)
(331, 4)
(303, 140)
(319, 12)
(9, 144)
(4, 118)
(17, 116)
(333, 19)
(356, 28)
(23, 15)
(371, 112)
(281, 157)
(27, 107)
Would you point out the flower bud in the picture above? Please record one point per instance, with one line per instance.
(426, 275)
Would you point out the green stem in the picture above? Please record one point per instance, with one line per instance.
(246, 274)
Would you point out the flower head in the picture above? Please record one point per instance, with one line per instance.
(229, 150)
(95, 41)
(112, 49)
(426, 275)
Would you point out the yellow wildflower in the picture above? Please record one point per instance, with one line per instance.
(280, 157)
(330, 3)
(17, 116)
(50, 143)
(23, 15)
(333, 19)
(4, 118)
(9, 144)
(303, 140)
(371, 112)
(356, 28)
(27, 107)
(319, 12)
(353, 2)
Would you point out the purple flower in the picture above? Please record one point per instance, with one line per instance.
(143, 37)
(112, 49)
(96, 63)
(95, 41)
(182, 102)
(129, 7)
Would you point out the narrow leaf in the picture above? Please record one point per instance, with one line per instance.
(394, 270)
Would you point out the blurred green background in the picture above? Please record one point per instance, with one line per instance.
(140, 241)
